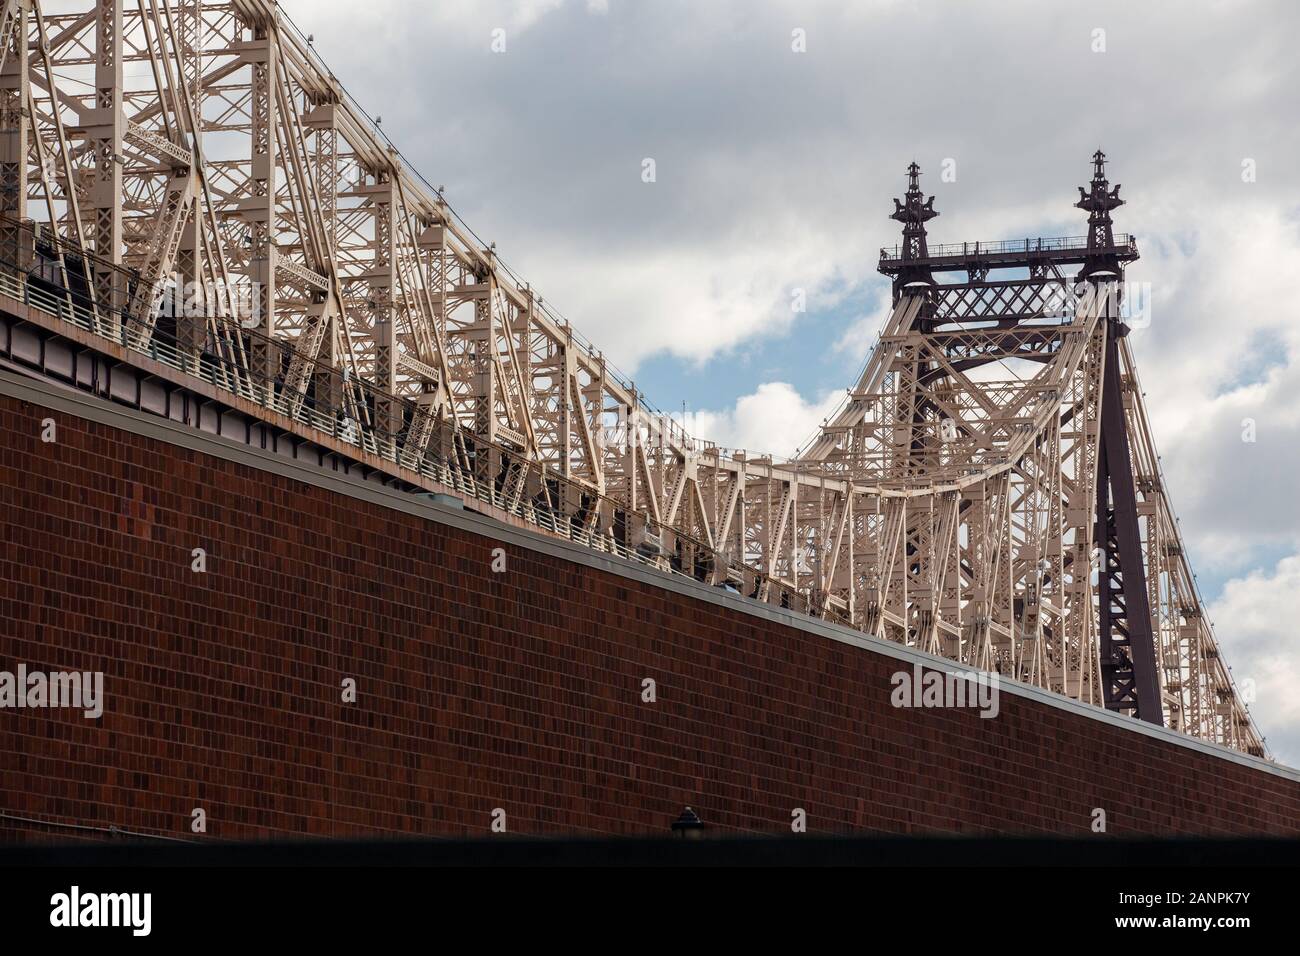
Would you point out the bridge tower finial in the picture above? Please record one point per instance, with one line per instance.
(914, 212)
(1098, 200)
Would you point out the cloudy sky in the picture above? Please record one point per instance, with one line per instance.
(775, 170)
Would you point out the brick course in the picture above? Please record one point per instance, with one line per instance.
(479, 690)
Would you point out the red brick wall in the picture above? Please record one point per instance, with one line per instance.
(479, 690)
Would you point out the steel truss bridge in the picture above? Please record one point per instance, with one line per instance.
(196, 220)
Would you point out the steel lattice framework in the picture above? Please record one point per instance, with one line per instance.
(989, 491)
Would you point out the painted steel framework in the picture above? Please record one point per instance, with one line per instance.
(187, 181)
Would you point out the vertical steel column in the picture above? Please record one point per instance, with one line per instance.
(1130, 681)
(14, 129)
(191, 316)
(483, 342)
(260, 211)
(105, 127)
(323, 120)
(381, 275)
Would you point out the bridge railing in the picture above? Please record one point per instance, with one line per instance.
(1003, 247)
(59, 279)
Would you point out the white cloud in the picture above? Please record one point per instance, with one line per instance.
(1261, 612)
(524, 13)
(672, 305)
(775, 419)
(1223, 347)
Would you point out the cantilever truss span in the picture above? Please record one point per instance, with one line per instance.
(187, 181)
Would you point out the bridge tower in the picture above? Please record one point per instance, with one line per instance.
(1130, 681)
(1012, 502)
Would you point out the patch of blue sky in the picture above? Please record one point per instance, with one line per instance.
(1266, 351)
